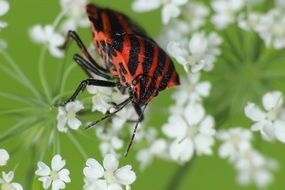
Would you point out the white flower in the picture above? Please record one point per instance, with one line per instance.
(170, 8)
(225, 12)
(110, 142)
(191, 90)
(235, 141)
(199, 53)
(194, 14)
(158, 148)
(66, 117)
(75, 12)
(56, 176)
(192, 132)
(254, 167)
(271, 28)
(46, 35)
(101, 99)
(126, 114)
(249, 22)
(108, 176)
(4, 157)
(269, 123)
(4, 8)
(176, 30)
(6, 182)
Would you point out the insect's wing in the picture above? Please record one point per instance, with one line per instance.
(113, 23)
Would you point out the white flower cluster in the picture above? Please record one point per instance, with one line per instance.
(251, 166)
(108, 176)
(156, 147)
(170, 8)
(271, 122)
(6, 181)
(98, 177)
(270, 25)
(4, 8)
(189, 129)
(198, 53)
(74, 12)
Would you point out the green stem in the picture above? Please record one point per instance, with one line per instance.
(19, 75)
(77, 145)
(179, 176)
(42, 75)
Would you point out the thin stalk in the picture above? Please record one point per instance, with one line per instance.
(64, 78)
(77, 145)
(177, 179)
(16, 98)
(42, 75)
(21, 75)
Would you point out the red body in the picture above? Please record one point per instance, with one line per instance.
(130, 54)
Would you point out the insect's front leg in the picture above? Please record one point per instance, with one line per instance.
(84, 84)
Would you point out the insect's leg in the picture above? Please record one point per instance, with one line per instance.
(139, 112)
(73, 35)
(88, 67)
(86, 82)
(135, 129)
(119, 108)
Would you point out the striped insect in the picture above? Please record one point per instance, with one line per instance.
(133, 61)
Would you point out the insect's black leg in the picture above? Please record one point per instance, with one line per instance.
(87, 67)
(86, 82)
(139, 112)
(73, 35)
(135, 129)
(119, 108)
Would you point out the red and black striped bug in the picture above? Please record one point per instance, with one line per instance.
(133, 61)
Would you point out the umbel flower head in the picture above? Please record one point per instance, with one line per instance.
(108, 176)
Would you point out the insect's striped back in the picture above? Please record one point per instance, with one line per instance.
(131, 54)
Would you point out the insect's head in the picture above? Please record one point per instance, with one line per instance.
(143, 89)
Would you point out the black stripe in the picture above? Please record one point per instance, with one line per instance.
(122, 68)
(133, 55)
(116, 27)
(167, 76)
(148, 56)
(160, 65)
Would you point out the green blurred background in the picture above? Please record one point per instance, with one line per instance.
(203, 173)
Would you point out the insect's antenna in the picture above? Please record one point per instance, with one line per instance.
(134, 133)
(122, 105)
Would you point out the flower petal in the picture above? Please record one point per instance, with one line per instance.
(253, 112)
(57, 163)
(272, 100)
(58, 184)
(176, 127)
(4, 7)
(64, 175)
(94, 170)
(74, 123)
(4, 157)
(182, 151)
(114, 186)
(194, 113)
(279, 130)
(110, 162)
(125, 175)
(145, 5)
(43, 169)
